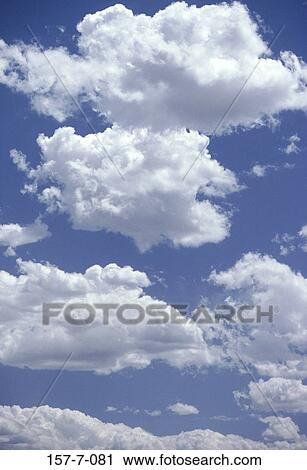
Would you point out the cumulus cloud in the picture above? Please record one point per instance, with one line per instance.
(13, 235)
(154, 203)
(183, 409)
(292, 145)
(103, 348)
(280, 428)
(152, 78)
(52, 428)
(286, 395)
(259, 170)
(274, 349)
(178, 68)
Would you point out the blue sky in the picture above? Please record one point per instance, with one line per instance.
(269, 205)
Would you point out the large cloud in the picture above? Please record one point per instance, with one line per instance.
(25, 341)
(153, 203)
(52, 428)
(181, 67)
(286, 395)
(278, 348)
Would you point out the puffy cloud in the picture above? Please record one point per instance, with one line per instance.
(286, 395)
(292, 145)
(183, 409)
(13, 235)
(153, 203)
(52, 428)
(259, 170)
(280, 428)
(178, 68)
(103, 348)
(274, 349)
(10, 252)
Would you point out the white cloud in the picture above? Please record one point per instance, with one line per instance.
(13, 235)
(277, 349)
(286, 243)
(260, 170)
(132, 410)
(25, 341)
(183, 409)
(274, 349)
(289, 243)
(10, 252)
(292, 145)
(280, 428)
(52, 428)
(179, 68)
(285, 395)
(303, 236)
(154, 203)
(224, 418)
(111, 409)
(20, 160)
(153, 413)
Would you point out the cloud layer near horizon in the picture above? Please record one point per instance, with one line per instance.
(52, 428)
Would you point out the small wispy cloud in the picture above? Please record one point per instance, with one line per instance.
(259, 171)
(292, 145)
(224, 418)
(289, 243)
(131, 410)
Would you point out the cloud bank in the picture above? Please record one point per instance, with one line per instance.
(52, 428)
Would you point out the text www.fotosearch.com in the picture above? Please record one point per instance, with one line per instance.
(167, 460)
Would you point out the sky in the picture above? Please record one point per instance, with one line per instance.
(151, 88)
